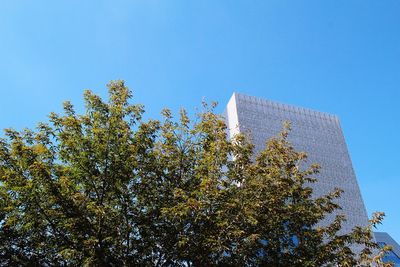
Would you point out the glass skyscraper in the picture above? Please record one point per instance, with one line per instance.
(317, 133)
(385, 239)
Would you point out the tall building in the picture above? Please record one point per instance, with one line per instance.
(319, 134)
(383, 239)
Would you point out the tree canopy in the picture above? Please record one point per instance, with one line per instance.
(107, 188)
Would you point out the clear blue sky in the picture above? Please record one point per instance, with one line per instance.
(341, 57)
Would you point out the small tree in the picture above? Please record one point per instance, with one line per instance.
(106, 188)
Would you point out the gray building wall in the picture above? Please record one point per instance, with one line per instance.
(319, 134)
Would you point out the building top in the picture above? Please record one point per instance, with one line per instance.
(284, 107)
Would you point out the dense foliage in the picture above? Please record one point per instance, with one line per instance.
(108, 189)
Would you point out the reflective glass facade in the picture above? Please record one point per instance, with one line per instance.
(385, 239)
(319, 134)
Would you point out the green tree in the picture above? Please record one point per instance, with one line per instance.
(106, 188)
